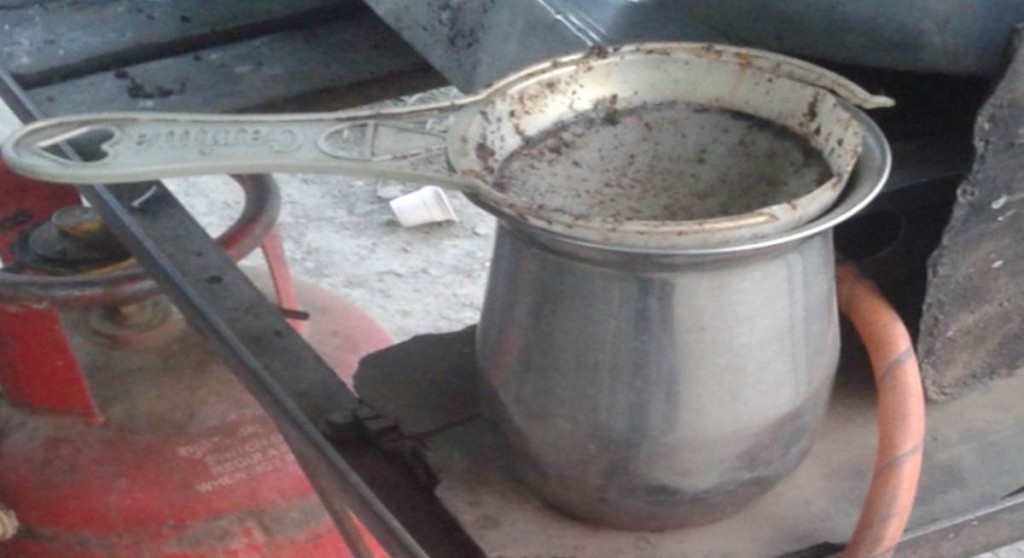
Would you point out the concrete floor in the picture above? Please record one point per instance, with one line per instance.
(1012, 551)
(340, 233)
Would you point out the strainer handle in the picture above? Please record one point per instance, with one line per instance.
(134, 147)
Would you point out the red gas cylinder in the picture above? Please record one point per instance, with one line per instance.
(122, 435)
(184, 464)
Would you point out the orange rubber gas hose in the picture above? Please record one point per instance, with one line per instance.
(890, 497)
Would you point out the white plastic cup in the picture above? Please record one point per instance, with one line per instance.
(429, 204)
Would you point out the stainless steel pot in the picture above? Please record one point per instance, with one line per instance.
(659, 335)
(649, 389)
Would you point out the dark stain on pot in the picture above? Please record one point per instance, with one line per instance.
(485, 155)
(611, 117)
(598, 51)
(665, 162)
(811, 114)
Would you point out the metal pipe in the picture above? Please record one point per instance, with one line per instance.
(284, 287)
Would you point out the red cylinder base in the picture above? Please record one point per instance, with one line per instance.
(185, 464)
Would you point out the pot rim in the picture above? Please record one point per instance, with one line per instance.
(866, 181)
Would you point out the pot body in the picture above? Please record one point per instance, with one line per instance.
(651, 391)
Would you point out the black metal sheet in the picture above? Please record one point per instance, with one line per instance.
(338, 62)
